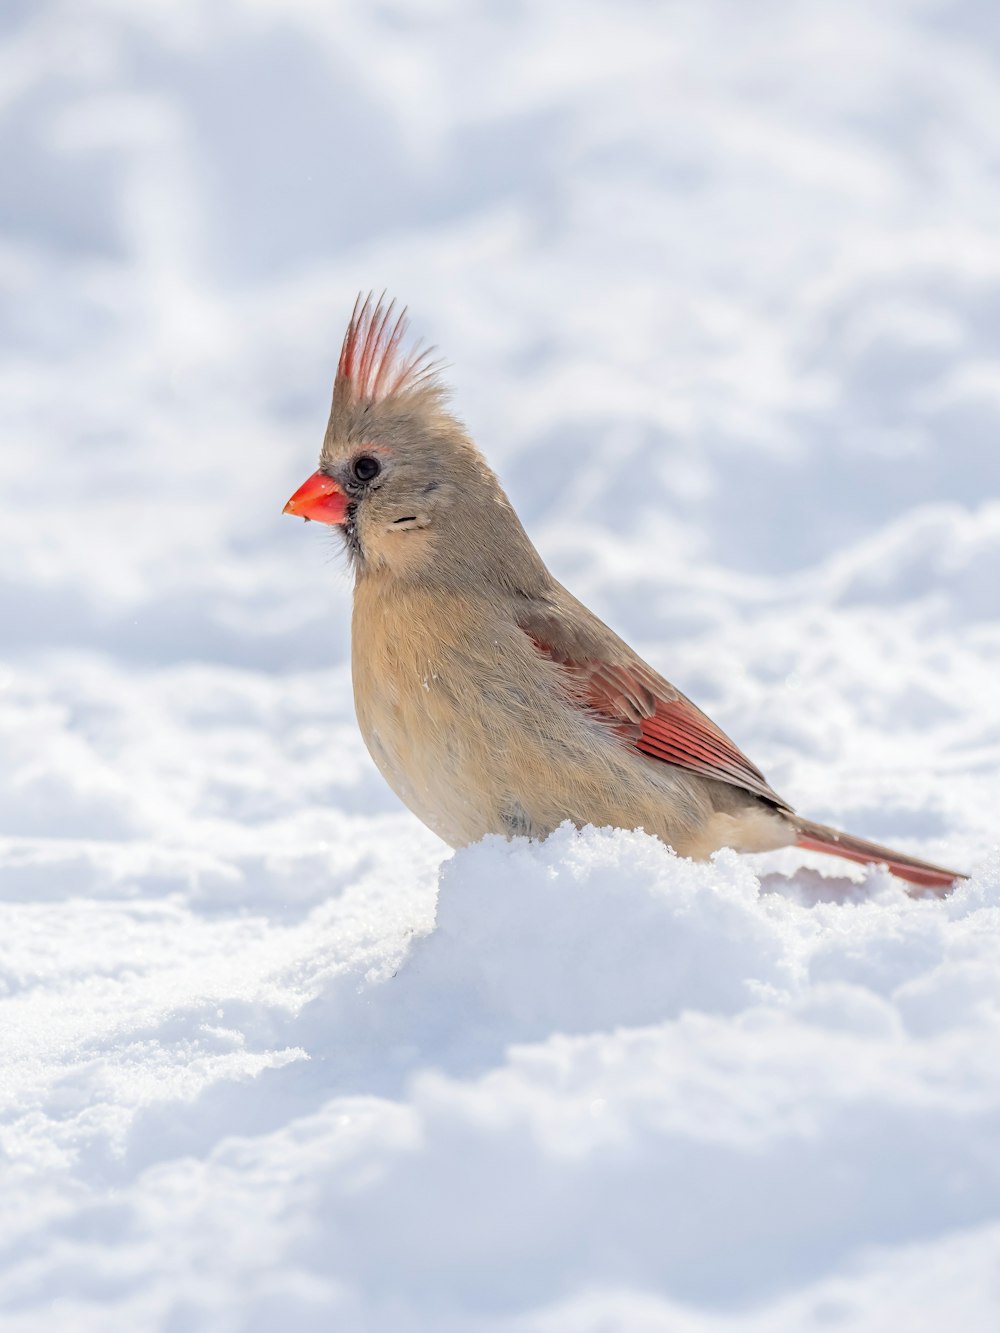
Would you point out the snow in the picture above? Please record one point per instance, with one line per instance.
(720, 293)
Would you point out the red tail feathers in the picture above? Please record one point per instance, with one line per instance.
(819, 838)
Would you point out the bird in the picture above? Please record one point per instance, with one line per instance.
(492, 700)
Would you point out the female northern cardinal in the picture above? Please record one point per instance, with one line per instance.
(492, 700)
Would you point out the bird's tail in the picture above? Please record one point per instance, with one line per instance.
(819, 838)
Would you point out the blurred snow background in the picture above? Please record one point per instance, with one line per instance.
(720, 290)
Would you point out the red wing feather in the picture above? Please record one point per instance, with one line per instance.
(662, 724)
(680, 733)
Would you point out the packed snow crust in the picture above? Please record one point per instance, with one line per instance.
(720, 290)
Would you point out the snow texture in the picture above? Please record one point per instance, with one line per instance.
(720, 290)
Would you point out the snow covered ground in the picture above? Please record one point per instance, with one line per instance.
(720, 289)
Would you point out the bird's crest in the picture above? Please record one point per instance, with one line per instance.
(374, 362)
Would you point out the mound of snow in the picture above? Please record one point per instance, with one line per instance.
(602, 1070)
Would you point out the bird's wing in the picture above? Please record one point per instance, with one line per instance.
(642, 707)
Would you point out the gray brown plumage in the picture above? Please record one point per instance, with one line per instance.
(491, 699)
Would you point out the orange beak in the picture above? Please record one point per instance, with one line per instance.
(320, 499)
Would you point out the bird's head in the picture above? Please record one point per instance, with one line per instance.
(398, 474)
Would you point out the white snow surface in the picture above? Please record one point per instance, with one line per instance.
(720, 290)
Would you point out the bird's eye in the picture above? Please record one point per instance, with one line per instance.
(366, 467)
